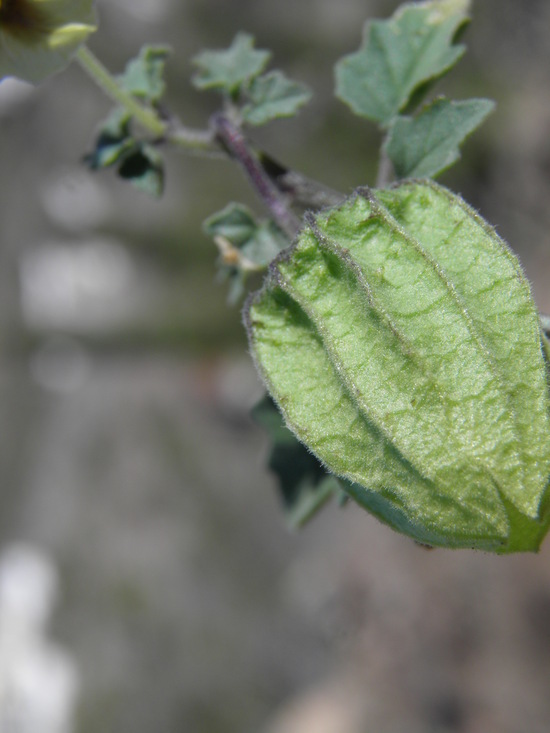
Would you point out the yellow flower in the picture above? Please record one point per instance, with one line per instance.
(40, 37)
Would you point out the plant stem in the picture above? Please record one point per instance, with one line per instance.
(198, 141)
(237, 146)
(385, 170)
(302, 191)
(224, 138)
(145, 116)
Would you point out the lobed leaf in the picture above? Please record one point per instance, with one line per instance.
(258, 241)
(143, 166)
(144, 75)
(273, 95)
(113, 141)
(246, 244)
(398, 56)
(400, 340)
(228, 70)
(428, 144)
(135, 160)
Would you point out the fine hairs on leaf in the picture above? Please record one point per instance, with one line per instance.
(391, 309)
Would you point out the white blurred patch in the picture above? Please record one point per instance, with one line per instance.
(38, 680)
(73, 199)
(13, 93)
(82, 285)
(28, 588)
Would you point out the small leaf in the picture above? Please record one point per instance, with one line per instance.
(144, 167)
(235, 222)
(305, 486)
(273, 95)
(144, 75)
(137, 161)
(400, 340)
(258, 241)
(246, 244)
(228, 70)
(428, 144)
(113, 141)
(400, 55)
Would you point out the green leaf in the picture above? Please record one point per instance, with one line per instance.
(399, 56)
(113, 141)
(246, 244)
(137, 161)
(258, 241)
(228, 70)
(304, 484)
(428, 144)
(143, 166)
(235, 222)
(400, 340)
(273, 95)
(144, 75)
(115, 144)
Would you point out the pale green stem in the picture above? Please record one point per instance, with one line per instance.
(200, 141)
(386, 173)
(146, 117)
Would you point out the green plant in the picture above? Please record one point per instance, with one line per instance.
(395, 331)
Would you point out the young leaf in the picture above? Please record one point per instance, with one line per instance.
(246, 244)
(228, 70)
(428, 144)
(305, 486)
(273, 95)
(113, 141)
(235, 222)
(258, 241)
(400, 340)
(136, 160)
(143, 166)
(144, 75)
(400, 55)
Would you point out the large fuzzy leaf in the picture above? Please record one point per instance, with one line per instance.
(401, 342)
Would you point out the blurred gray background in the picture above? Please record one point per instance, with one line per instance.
(126, 450)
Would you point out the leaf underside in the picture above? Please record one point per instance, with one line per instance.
(401, 343)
